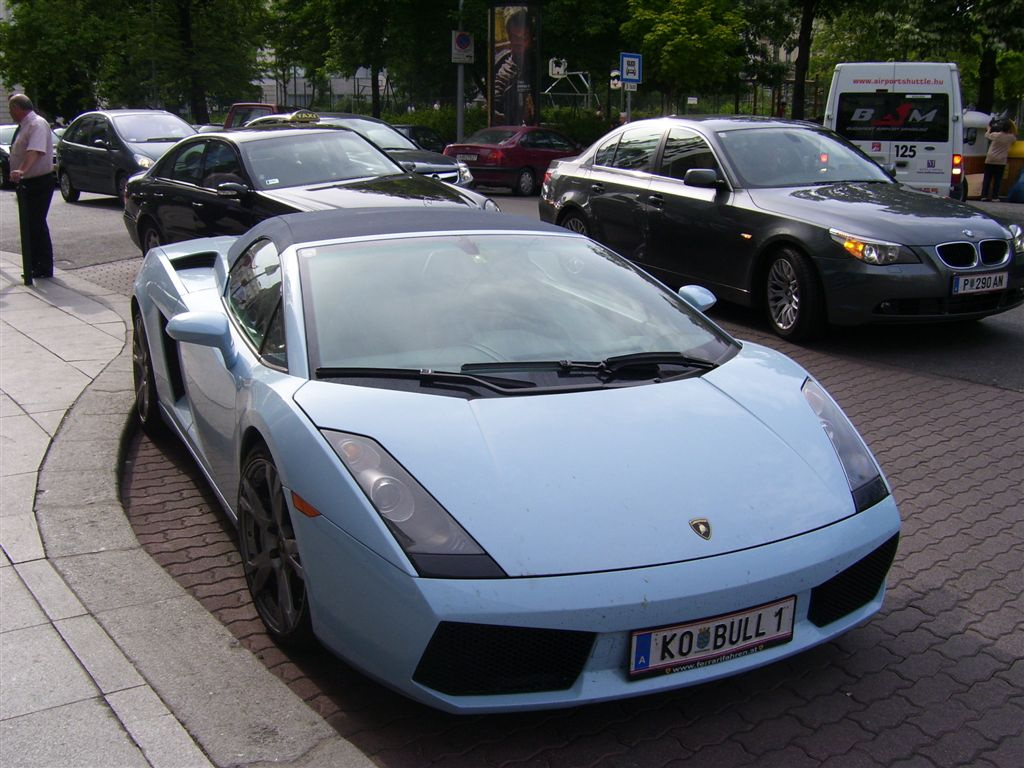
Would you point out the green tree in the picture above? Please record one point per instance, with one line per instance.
(73, 54)
(53, 49)
(688, 45)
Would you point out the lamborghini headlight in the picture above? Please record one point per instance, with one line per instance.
(862, 473)
(871, 251)
(435, 543)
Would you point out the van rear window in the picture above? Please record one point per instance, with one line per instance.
(893, 116)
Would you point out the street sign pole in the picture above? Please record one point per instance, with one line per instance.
(460, 94)
(631, 66)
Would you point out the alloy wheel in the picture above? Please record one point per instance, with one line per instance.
(783, 294)
(270, 554)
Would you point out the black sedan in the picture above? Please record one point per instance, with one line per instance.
(224, 183)
(788, 217)
(396, 144)
(100, 150)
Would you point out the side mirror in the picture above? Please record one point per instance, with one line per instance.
(697, 296)
(207, 329)
(409, 166)
(231, 189)
(701, 177)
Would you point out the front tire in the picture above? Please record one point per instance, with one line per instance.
(67, 189)
(792, 297)
(270, 553)
(526, 183)
(147, 403)
(574, 222)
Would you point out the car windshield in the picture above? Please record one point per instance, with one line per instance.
(138, 129)
(443, 302)
(794, 157)
(7, 133)
(315, 158)
(384, 136)
(491, 136)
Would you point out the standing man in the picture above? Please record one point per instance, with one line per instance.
(32, 171)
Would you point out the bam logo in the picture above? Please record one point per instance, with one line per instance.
(906, 113)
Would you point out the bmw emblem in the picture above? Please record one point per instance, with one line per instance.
(701, 527)
(968, 233)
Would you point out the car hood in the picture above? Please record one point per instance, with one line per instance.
(610, 479)
(398, 190)
(424, 160)
(886, 211)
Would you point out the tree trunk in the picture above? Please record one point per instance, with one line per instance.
(196, 95)
(987, 72)
(803, 57)
(375, 90)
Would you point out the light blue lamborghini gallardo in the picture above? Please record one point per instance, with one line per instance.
(496, 467)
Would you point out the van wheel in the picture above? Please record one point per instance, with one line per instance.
(67, 189)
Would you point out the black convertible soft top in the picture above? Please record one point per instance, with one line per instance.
(294, 228)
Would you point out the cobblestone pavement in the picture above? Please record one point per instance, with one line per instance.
(936, 679)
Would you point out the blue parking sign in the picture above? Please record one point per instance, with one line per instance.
(631, 67)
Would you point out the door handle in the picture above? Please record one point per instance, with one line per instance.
(597, 187)
(657, 201)
(197, 205)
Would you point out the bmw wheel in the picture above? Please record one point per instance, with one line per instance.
(526, 183)
(67, 189)
(574, 222)
(147, 406)
(792, 296)
(270, 553)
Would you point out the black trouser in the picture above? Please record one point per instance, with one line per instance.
(34, 197)
(994, 177)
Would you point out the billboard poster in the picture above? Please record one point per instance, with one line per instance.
(514, 71)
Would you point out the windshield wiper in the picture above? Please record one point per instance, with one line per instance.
(428, 377)
(645, 361)
(647, 364)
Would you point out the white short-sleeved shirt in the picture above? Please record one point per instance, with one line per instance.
(34, 135)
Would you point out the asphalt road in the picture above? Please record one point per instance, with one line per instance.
(91, 233)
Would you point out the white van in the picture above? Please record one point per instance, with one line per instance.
(907, 117)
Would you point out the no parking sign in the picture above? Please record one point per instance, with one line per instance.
(462, 48)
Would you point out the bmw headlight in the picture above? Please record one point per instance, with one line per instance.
(435, 543)
(143, 161)
(1017, 233)
(465, 177)
(873, 251)
(862, 472)
(490, 205)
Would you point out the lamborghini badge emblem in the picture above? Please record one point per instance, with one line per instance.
(701, 527)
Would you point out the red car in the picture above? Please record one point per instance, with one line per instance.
(514, 156)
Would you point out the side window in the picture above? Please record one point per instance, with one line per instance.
(685, 149)
(221, 165)
(636, 149)
(188, 163)
(560, 142)
(606, 152)
(253, 296)
(79, 132)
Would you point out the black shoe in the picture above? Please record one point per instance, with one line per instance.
(27, 279)
(42, 274)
